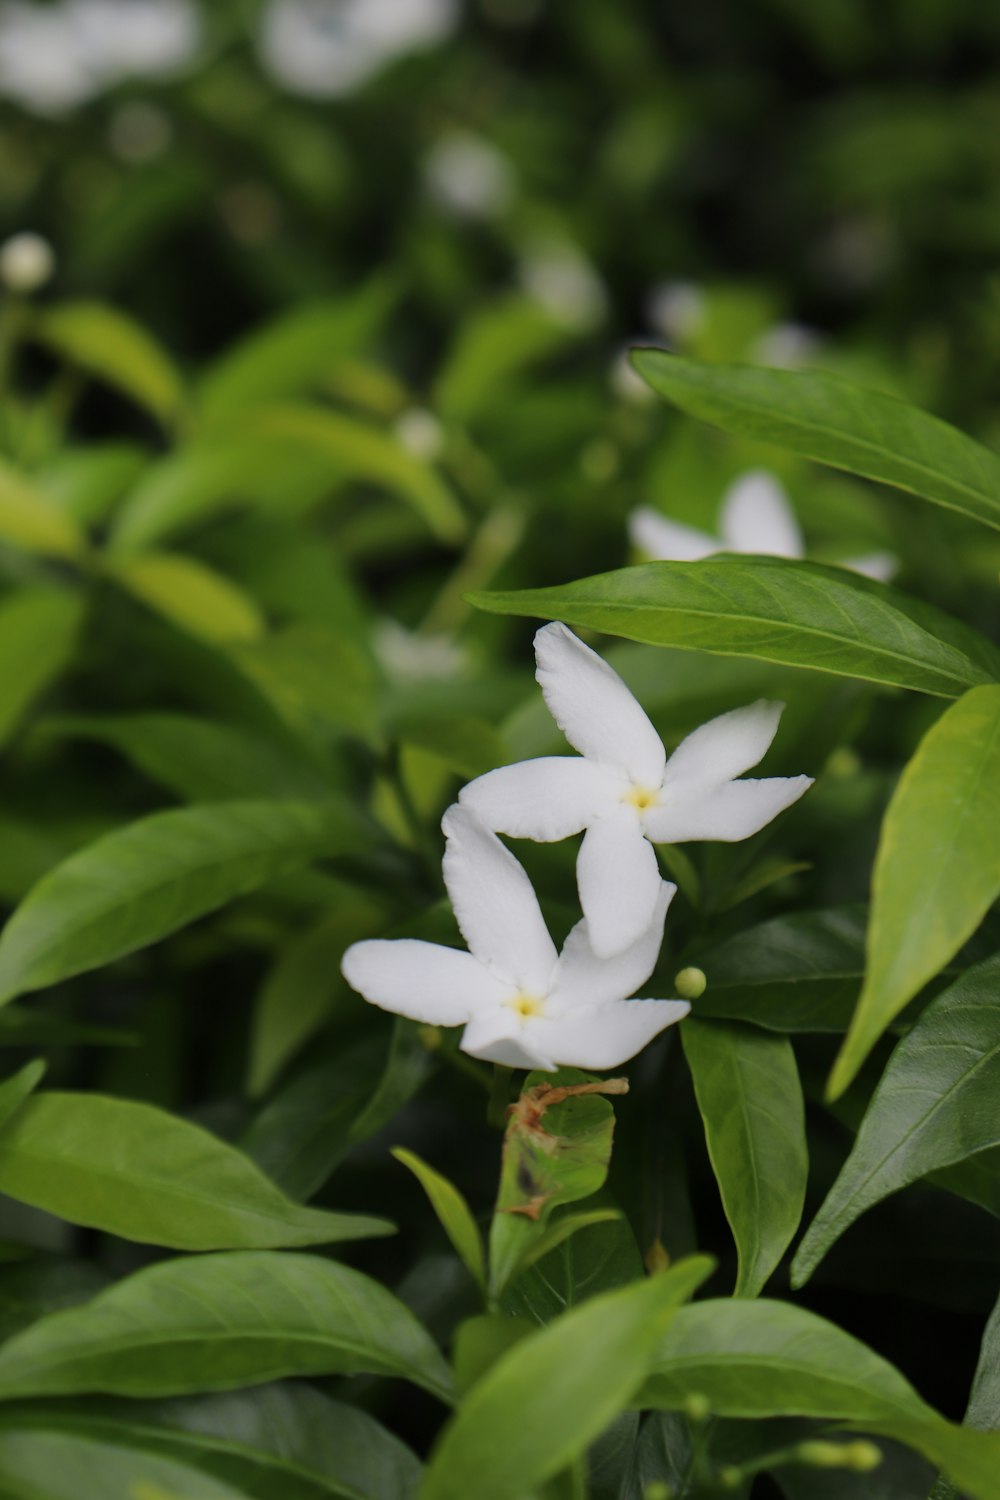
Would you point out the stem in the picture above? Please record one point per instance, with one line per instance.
(496, 1113)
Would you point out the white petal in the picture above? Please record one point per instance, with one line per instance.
(546, 799)
(503, 1037)
(619, 882)
(882, 566)
(440, 986)
(495, 904)
(728, 813)
(582, 979)
(756, 517)
(669, 541)
(724, 747)
(609, 1035)
(593, 707)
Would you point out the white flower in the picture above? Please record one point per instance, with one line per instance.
(624, 791)
(326, 48)
(27, 262)
(406, 655)
(677, 309)
(756, 517)
(521, 1003)
(41, 64)
(564, 283)
(131, 38)
(468, 176)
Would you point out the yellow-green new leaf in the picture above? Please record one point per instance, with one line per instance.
(113, 348)
(39, 628)
(548, 1397)
(937, 870)
(29, 519)
(191, 595)
(453, 1212)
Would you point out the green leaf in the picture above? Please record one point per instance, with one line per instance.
(595, 1258)
(453, 1212)
(107, 344)
(190, 594)
(218, 1322)
(838, 423)
(202, 760)
(279, 1442)
(318, 679)
(41, 1464)
(86, 483)
(362, 451)
(43, 1284)
(494, 349)
(983, 1411)
(143, 882)
(297, 351)
(936, 1105)
(769, 1359)
(562, 1228)
(547, 1398)
(556, 1150)
(31, 521)
(801, 614)
(937, 870)
(748, 1091)
(798, 972)
(15, 1090)
(39, 628)
(141, 1173)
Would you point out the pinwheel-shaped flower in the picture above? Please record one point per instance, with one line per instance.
(756, 517)
(522, 1004)
(624, 791)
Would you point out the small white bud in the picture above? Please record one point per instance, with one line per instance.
(27, 261)
(420, 433)
(690, 984)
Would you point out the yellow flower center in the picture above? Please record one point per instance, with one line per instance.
(642, 797)
(526, 1005)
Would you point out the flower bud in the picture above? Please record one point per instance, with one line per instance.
(26, 262)
(690, 984)
(697, 1408)
(861, 1456)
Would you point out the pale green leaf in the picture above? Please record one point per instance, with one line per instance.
(32, 521)
(112, 347)
(192, 595)
(39, 630)
(453, 1212)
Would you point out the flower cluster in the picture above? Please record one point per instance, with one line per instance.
(521, 1003)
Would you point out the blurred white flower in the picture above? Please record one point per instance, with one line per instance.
(756, 517)
(406, 655)
(468, 176)
(27, 262)
(626, 381)
(676, 309)
(420, 432)
(42, 67)
(624, 791)
(563, 281)
(522, 1004)
(326, 48)
(787, 346)
(135, 38)
(55, 57)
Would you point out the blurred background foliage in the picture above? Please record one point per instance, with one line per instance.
(336, 332)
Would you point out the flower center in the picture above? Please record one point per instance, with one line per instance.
(642, 797)
(526, 1005)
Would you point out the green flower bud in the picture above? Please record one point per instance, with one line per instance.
(697, 1408)
(690, 984)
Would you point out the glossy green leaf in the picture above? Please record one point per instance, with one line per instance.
(218, 1322)
(113, 348)
(32, 521)
(368, 453)
(556, 1150)
(39, 629)
(595, 1258)
(801, 971)
(202, 760)
(549, 1396)
(144, 1174)
(830, 419)
(983, 1411)
(769, 1359)
(39, 1464)
(142, 882)
(295, 352)
(935, 1105)
(280, 1442)
(191, 595)
(748, 1091)
(801, 614)
(453, 1212)
(937, 871)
